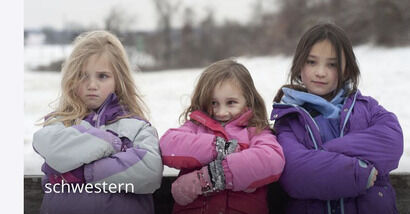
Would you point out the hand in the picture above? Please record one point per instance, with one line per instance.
(237, 149)
(73, 176)
(233, 146)
(224, 148)
(187, 187)
(250, 190)
(373, 177)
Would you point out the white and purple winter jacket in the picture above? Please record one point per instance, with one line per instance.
(101, 149)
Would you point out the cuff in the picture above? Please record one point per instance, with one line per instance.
(115, 141)
(363, 174)
(370, 177)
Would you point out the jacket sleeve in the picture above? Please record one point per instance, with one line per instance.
(184, 148)
(67, 148)
(256, 166)
(137, 169)
(381, 143)
(319, 174)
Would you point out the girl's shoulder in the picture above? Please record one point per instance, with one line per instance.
(366, 108)
(255, 132)
(193, 126)
(361, 100)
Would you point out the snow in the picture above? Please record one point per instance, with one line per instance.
(167, 93)
(36, 55)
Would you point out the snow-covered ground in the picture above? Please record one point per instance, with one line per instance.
(385, 76)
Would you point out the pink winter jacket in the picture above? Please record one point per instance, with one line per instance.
(259, 162)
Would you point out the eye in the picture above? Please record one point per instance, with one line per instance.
(333, 65)
(231, 102)
(214, 103)
(103, 76)
(310, 62)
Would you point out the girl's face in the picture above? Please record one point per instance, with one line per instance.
(227, 101)
(319, 74)
(97, 81)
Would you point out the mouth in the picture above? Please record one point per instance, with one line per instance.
(319, 83)
(92, 96)
(222, 121)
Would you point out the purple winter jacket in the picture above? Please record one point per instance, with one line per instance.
(316, 173)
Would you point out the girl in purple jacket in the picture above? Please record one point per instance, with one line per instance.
(100, 154)
(339, 145)
(225, 150)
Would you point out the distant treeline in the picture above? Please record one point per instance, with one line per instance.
(380, 22)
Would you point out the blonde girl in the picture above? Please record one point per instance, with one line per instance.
(101, 155)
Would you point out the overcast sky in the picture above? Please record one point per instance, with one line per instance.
(59, 13)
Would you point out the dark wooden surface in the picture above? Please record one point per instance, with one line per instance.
(33, 195)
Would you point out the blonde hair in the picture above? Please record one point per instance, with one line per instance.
(71, 109)
(219, 72)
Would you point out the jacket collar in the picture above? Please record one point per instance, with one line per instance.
(203, 118)
(329, 109)
(281, 109)
(207, 121)
(108, 111)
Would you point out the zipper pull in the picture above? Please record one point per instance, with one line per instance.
(95, 117)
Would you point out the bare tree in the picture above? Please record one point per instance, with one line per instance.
(166, 9)
(188, 54)
(387, 18)
(117, 21)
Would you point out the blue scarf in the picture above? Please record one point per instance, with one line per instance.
(330, 110)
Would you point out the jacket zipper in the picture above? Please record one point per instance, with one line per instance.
(307, 127)
(101, 111)
(314, 141)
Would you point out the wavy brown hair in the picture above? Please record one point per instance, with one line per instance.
(219, 72)
(71, 109)
(342, 46)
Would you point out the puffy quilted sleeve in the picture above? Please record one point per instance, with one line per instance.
(319, 174)
(67, 148)
(258, 165)
(381, 143)
(185, 148)
(139, 166)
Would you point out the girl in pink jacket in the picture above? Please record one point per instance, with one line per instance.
(225, 150)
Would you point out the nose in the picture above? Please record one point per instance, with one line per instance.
(320, 71)
(92, 84)
(221, 112)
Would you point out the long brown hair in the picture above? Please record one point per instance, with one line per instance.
(71, 109)
(219, 72)
(342, 46)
